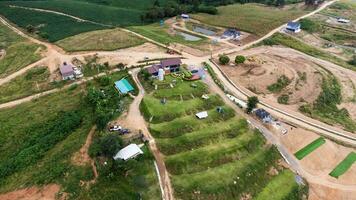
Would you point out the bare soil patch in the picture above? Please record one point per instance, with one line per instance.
(47, 192)
(82, 157)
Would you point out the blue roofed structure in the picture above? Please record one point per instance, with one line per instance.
(123, 86)
(293, 26)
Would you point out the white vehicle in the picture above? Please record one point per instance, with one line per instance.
(77, 72)
(115, 128)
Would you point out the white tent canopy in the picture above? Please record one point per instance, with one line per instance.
(202, 115)
(130, 151)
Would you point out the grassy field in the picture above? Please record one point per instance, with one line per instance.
(219, 157)
(106, 40)
(48, 131)
(49, 26)
(344, 165)
(254, 18)
(309, 148)
(161, 35)
(33, 81)
(293, 43)
(19, 51)
(272, 190)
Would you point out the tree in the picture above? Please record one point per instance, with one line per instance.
(107, 146)
(156, 4)
(280, 2)
(353, 61)
(239, 59)
(224, 59)
(251, 103)
(30, 28)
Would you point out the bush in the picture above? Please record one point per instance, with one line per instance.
(224, 59)
(283, 99)
(251, 103)
(281, 83)
(239, 59)
(353, 61)
(309, 25)
(208, 9)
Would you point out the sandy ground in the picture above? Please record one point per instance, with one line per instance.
(266, 64)
(47, 192)
(319, 192)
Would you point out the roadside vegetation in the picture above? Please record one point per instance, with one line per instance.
(253, 18)
(105, 40)
(293, 43)
(18, 52)
(344, 165)
(218, 156)
(48, 26)
(48, 135)
(309, 148)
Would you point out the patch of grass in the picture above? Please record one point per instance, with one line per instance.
(282, 82)
(201, 137)
(33, 81)
(106, 40)
(49, 26)
(228, 181)
(152, 107)
(309, 148)
(188, 123)
(273, 189)
(254, 18)
(213, 155)
(160, 34)
(344, 165)
(293, 43)
(180, 89)
(19, 51)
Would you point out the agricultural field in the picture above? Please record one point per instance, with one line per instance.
(219, 156)
(105, 40)
(49, 26)
(343, 166)
(250, 17)
(345, 9)
(16, 52)
(31, 160)
(109, 15)
(309, 148)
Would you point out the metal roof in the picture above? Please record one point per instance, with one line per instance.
(170, 62)
(130, 151)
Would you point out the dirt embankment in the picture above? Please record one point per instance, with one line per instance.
(47, 192)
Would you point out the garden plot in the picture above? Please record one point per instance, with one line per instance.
(217, 157)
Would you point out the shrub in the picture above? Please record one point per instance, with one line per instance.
(310, 25)
(208, 9)
(239, 59)
(224, 59)
(251, 103)
(281, 83)
(353, 61)
(283, 99)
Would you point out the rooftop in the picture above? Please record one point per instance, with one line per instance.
(170, 62)
(130, 151)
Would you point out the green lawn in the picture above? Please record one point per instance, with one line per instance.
(273, 190)
(153, 108)
(19, 51)
(106, 40)
(49, 26)
(293, 43)
(250, 17)
(309, 148)
(344, 165)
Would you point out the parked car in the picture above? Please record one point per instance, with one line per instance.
(124, 131)
(115, 128)
(77, 72)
